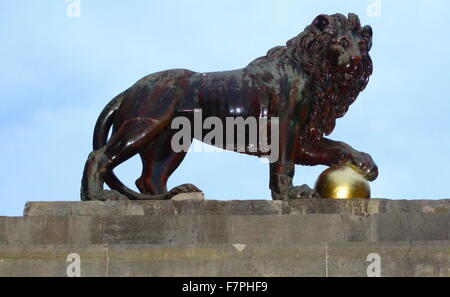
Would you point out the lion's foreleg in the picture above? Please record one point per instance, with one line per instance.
(282, 171)
(329, 152)
(281, 176)
(323, 152)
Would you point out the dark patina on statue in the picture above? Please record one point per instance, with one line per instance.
(307, 84)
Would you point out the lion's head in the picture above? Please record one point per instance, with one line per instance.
(334, 52)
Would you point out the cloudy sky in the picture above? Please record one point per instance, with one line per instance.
(59, 70)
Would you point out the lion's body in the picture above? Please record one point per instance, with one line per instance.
(306, 98)
(182, 91)
(216, 93)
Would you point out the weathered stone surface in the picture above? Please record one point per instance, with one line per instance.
(332, 259)
(212, 229)
(241, 207)
(228, 238)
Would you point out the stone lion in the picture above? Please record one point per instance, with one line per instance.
(306, 84)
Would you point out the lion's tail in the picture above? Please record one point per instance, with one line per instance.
(105, 121)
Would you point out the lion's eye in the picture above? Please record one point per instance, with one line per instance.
(362, 44)
(344, 42)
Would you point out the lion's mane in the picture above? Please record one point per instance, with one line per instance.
(308, 50)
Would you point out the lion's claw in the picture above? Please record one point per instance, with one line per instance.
(365, 165)
(302, 192)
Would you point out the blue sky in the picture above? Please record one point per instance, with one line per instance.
(58, 73)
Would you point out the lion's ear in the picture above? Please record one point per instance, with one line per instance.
(354, 21)
(321, 22)
(367, 33)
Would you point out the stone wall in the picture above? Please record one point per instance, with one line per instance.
(229, 238)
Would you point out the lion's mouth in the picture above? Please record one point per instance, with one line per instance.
(348, 77)
(349, 73)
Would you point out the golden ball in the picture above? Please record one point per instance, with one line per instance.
(342, 182)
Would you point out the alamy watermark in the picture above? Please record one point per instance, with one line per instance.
(374, 268)
(73, 269)
(244, 135)
(73, 9)
(374, 9)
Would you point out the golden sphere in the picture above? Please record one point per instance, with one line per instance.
(342, 182)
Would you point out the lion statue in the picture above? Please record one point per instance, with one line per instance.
(306, 84)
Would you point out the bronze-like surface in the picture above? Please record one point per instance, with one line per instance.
(306, 85)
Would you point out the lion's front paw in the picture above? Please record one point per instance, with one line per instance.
(365, 164)
(302, 192)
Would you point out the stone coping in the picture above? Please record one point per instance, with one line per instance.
(235, 207)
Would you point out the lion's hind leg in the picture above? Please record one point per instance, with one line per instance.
(128, 140)
(159, 161)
